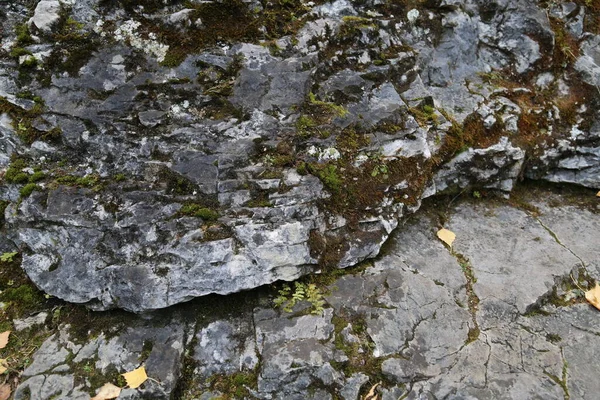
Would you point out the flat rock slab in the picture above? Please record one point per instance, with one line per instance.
(495, 316)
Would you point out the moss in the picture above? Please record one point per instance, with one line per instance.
(29, 62)
(3, 205)
(23, 36)
(425, 114)
(14, 173)
(566, 47)
(23, 121)
(234, 386)
(331, 108)
(88, 181)
(305, 126)
(25, 297)
(146, 350)
(198, 211)
(472, 298)
(17, 52)
(36, 176)
(94, 377)
(28, 189)
(229, 21)
(329, 176)
(350, 140)
(352, 26)
(72, 50)
(176, 183)
(302, 168)
(119, 177)
(553, 338)
(259, 202)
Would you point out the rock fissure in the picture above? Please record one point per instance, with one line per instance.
(555, 237)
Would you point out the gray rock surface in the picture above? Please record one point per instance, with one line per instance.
(46, 15)
(495, 316)
(154, 153)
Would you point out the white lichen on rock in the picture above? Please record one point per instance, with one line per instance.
(128, 32)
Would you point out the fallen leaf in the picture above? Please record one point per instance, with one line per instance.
(5, 391)
(3, 365)
(372, 395)
(108, 391)
(4, 339)
(446, 236)
(136, 377)
(598, 194)
(593, 296)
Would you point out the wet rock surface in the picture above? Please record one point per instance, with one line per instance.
(501, 314)
(154, 152)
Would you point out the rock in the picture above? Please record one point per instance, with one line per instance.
(423, 320)
(224, 347)
(187, 155)
(572, 160)
(39, 319)
(351, 390)
(531, 275)
(46, 15)
(151, 118)
(61, 364)
(505, 162)
(588, 64)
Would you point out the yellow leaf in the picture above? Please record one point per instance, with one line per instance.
(108, 391)
(4, 339)
(136, 377)
(3, 365)
(593, 296)
(446, 236)
(598, 194)
(372, 395)
(5, 391)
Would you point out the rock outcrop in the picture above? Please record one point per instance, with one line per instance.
(500, 315)
(155, 152)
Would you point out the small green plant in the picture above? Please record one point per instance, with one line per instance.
(119, 177)
(332, 108)
(305, 126)
(330, 177)
(477, 194)
(28, 189)
(311, 293)
(380, 169)
(8, 257)
(196, 210)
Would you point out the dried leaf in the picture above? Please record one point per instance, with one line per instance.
(4, 339)
(372, 395)
(446, 236)
(108, 391)
(5, 391)
(136, 377)
(3, 365)
(598, 194)
(593, 296)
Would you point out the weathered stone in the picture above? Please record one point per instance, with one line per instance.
(435, 322)
(46, 15)
(60, 361)
(166, 182)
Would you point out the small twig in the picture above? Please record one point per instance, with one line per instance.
(576, 284)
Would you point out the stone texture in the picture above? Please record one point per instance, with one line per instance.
(416, 322)
(58, 366)
(46, 15)
(175, 170)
